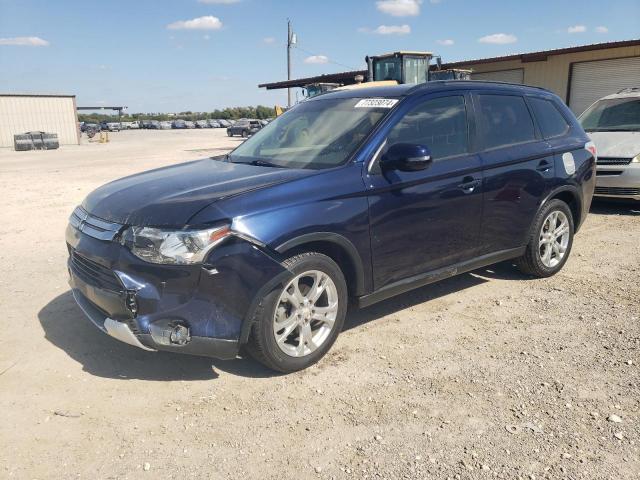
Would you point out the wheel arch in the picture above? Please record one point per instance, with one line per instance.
(569, 195)
(335, 246)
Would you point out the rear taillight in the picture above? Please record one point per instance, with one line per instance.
(592, 148)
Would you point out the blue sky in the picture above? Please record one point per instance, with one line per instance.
(163, 55)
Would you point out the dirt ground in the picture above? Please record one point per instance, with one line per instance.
(486, 375)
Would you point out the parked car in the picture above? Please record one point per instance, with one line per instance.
(354, 195)
(90, 126)
(202, 124)
(153, 125)
(190, 124)
(129, 125)
(613, 123)
(111, 126)
(178, 124)
(214, 123)
(244, 128)
(223, 123)
(165, 125)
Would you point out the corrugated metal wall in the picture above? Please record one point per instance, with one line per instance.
(515, 75)
(595, 79)
(20, 114)
(553, 73)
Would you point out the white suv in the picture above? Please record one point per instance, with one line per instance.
(613, 123)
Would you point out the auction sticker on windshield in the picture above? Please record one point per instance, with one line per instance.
(376, 103)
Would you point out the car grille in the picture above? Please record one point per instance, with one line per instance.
(613, 161)
(93, 226)
(94, 274)
(617, 191)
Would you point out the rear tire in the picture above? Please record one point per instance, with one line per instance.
(550, 241)
(290, 330)
(244, 134)
(230, 134)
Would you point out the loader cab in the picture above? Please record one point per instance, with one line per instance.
(402, 67)
(449, 74)
(313, 89)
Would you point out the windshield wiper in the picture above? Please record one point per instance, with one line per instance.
(256, 162)
(264, 163)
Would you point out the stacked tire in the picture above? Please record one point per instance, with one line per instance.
(22, 142)
(35, 141)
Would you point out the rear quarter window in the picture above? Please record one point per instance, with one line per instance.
(551, 122)
(504, 120)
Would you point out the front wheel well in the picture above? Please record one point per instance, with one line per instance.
(338, 254)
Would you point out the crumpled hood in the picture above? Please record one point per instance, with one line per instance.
(170, 196)
(616, 144)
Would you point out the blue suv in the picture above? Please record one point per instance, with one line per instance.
(350, 197)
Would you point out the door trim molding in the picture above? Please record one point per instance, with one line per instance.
(422, 279)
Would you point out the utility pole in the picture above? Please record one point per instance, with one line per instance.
(291, 40)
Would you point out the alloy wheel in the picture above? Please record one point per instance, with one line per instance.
(305, 313)
(554, 239)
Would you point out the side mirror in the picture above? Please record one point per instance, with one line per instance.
(406, 157)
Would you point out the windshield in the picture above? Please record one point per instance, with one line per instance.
(313, 134)
(611, 115)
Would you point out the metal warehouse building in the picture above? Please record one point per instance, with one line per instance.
(579, 75)
(46, 113)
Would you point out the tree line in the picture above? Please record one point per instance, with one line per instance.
(260, 112)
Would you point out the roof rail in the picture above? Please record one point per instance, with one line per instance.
(630, 90)
(458, 82)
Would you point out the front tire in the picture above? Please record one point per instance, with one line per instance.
(244, 134)
(296, 323)
(550, 241)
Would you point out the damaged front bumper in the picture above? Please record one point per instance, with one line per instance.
(193, 309)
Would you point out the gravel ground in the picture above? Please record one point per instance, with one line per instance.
(486, 375)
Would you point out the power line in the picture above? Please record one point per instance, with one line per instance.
(308, 52)
(328, 59)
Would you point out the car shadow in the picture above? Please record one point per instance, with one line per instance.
(66, 327)
(357, 317)
(601, 206)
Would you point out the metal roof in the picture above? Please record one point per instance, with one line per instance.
(543, 54)
(35, 95)
(348, 77)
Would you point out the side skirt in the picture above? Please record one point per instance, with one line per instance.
(423, 279)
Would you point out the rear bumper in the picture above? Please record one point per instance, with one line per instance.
(618, 181)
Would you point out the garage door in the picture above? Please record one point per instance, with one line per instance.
(593, 80)
(512, 76)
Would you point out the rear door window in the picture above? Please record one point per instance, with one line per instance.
(552, 123)
(504, 120)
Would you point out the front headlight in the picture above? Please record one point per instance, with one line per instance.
(173, 247)
(636, 159)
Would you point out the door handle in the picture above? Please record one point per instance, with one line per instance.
(469, 184)
(543, 166)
